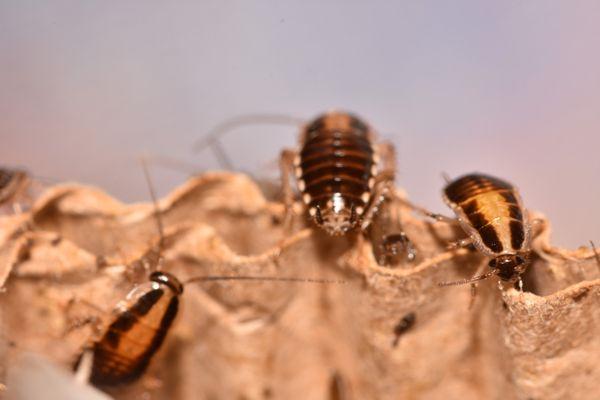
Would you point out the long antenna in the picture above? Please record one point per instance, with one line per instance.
(262, 278)
(469, 280)
(159, 223)
(212, 137)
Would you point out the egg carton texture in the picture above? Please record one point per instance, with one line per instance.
(78, 252)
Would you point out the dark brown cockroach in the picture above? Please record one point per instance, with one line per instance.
(491, 212)
(125, 347)
(341, 173)
(403, 326)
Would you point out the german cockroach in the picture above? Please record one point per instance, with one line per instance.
(125, 347)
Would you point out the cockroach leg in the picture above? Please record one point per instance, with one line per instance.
(286, 165)
(78, 323)
(387, 153)
(426, 213)
(462, 243)
(380, 193)
(479, 272)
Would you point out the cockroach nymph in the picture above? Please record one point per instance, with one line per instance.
(140, 326)
(125, 347)
(491, 212)
(341, 173)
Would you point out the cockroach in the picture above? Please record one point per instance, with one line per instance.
(141, 322)
(341, 173)
(491, 212)
(403, 326)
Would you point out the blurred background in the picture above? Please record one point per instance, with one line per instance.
(508, 88)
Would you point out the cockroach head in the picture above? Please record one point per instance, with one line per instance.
(508, 266)
(167, 279)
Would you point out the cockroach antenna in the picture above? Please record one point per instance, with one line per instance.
(469, 280)
(262, 278)
(157, 213)
(212, 138)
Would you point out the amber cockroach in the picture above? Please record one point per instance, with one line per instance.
(491, 212)
(403, 326)
(140, 324)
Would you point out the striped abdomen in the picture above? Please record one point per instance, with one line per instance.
(125, 349)
(335, 168)
(490, 208)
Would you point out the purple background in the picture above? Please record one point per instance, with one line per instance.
(510, 88)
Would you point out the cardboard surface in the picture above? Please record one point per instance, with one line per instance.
(270, 340)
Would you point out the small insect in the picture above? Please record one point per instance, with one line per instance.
(342, 174)
(403, 326)
(491, 212)
(126, 346)
(13, 186)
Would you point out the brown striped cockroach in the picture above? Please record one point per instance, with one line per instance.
(124, 348)
(343, 175)
(491, 212)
